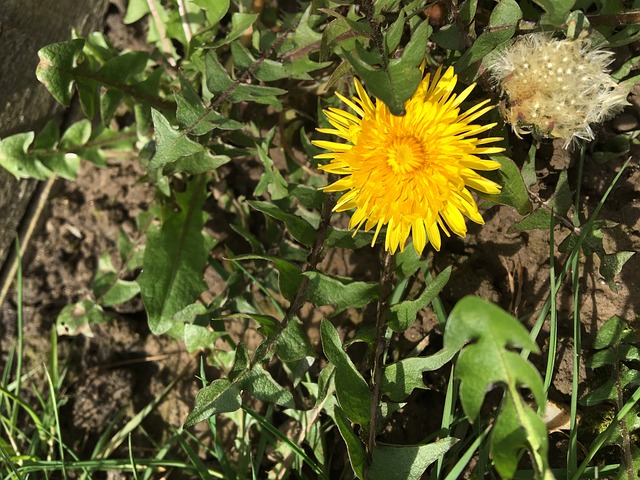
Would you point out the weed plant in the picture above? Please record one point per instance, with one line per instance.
(406, 152)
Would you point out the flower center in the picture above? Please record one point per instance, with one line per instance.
(406, 155)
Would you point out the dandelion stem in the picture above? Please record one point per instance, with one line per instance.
(386, 281)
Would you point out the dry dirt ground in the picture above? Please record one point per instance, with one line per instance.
(123, 366)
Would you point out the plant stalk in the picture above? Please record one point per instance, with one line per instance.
(386, 281)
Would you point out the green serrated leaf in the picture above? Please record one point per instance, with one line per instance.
(258, 94)
(310, 197)
(217, 78)
(407, 462)
(48, 137)
(408, 262)
(171, 144)
(109, 103)
(55, 70)
(401, 378)
(220, 396)
(174, 260)
(402, 315)
(352, 390)
(77, 134)
(488, 361)
(326, 290)
(514, 191)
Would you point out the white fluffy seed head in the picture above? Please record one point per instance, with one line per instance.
(556, 88)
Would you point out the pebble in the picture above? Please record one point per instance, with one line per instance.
(625, 122)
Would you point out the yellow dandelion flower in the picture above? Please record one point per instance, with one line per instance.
(412, 173)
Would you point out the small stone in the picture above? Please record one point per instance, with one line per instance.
(625, 122)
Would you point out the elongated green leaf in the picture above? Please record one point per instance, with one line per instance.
(297, 226)
(401, 378)
(290, 274)
(490, 361)
(352, 390)
(515, 427)
(611, 356)
(393, 86)
(174, 260)
(55, 70)
(608, 392)
(355, 448)
(402, 315)
(407, 462)
(219, 396)
(614, 332)
(326, 290)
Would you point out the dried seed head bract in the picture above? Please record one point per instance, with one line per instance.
(556, 88)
